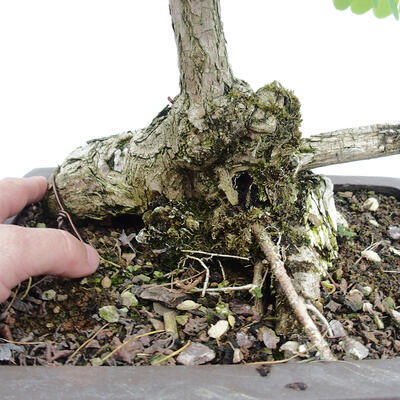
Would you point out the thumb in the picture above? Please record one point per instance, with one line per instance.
(26, 252)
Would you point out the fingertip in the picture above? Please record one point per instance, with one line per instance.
(41, 184)
(92, 258)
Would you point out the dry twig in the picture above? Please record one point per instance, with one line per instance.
(87, 342)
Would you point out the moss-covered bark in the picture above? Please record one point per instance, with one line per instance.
(219, 159)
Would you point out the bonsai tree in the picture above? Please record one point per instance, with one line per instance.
(223, 171)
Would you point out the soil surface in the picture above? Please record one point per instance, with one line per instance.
(137, 311)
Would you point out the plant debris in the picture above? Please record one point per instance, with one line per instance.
(167, 312)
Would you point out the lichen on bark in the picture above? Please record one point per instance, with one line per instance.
(210, 165)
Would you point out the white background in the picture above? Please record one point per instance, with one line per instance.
(75, 70)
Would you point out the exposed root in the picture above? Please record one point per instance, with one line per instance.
(205, 285)
(295, 301)
(249, 287)
(215, 254)
(323, 320)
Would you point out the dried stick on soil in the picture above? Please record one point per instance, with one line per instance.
(258, 281)
(87, 342)
(295, 301)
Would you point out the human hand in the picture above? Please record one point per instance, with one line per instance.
(26, 252)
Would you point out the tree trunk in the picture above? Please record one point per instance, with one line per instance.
(218, 160)
(205, 73)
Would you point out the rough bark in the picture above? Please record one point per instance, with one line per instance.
(354, 144)
(205, 73)
(219, 159)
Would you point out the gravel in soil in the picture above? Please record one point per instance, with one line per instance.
(136, 311)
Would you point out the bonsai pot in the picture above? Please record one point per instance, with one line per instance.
(367, 379)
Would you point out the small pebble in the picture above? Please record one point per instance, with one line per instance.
(219, 329)
(231, 320)
(354, 300)
(56, 310)
(394, 250)
(157, 324)
(346, 195)
(337, 329)
(62, 297)
(109, 313)
(160, 309)
(244, 340)
(237, 356)
(368, 307)
(371, 204)
(128, 299)
(196, 354)
(181, 319)
(374, 223)
(106, 282)
(188, 305)
(395, 316)
(96, 362)
(394, 232)
(49, 294)
(371, 255)
(378, 322)
(354, 349)
(290, 348)
(366, 290)
(268, 336)
(141, 278)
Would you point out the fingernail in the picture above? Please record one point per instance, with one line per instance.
(92, 257)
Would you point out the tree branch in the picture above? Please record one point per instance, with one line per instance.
(354, 144)
(205, 72)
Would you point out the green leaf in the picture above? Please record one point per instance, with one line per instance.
(342, 4)
(393, 8)
(375, 3)
(383, 9)
(361, 6)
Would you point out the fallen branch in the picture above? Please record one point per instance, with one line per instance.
(353, 144)
(295, 301)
